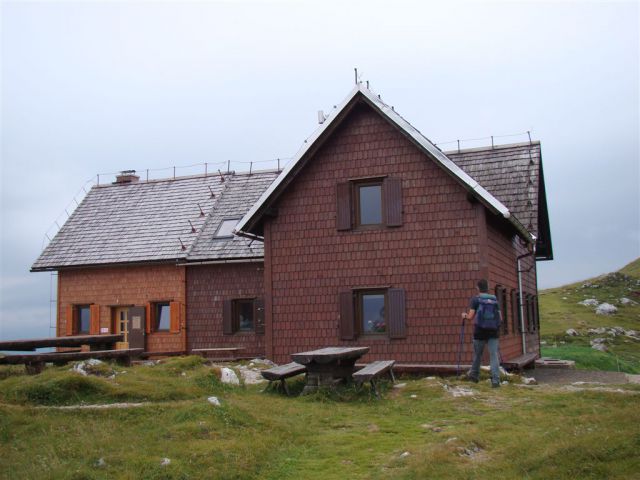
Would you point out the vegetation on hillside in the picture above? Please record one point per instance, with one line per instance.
(418, 431)
(560, 311)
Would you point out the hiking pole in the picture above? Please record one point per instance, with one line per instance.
(460, 349)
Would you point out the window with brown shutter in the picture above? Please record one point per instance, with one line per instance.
(175, 311)
(515, 307)
(94, 322)
(147, 323)
(259, 315)
(372, 312)
(82, 321)
(70, 320)
(243, 315)
(369, 203)
(501, 295)
(227, 317)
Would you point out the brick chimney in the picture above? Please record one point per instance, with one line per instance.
(127, 176)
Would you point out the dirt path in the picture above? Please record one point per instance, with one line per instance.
(567, 376)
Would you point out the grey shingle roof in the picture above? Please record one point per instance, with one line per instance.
(147, 221)
(511, 173)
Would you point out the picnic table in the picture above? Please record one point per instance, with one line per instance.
(328, 366)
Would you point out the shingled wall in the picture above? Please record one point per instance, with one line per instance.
(433, 256)
(208, 286)
(124, 286)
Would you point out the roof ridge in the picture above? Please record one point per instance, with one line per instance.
(186, 177)
(495, 147)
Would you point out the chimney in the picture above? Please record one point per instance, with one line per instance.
(127, 176)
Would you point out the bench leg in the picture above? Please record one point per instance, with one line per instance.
(284, 386)
(393, 378)
(373, 387)
(34, 368)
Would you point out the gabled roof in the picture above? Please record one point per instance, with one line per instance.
(513, 173)
(149, 222)
(249, 225)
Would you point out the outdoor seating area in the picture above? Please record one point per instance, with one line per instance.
(83, 347)
(327, 367)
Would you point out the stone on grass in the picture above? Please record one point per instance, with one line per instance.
(606, 309)
(572, 332)
(251, 376)
(404, 454)
(597, 331)
(459, 391)
(100, 463)
(589, 302)
(529, 381)
(84, 367)
(215, 401)
(627, 301)
(263, 361)
(229, 376)
(599, 346)
(165, 461)
(400, 385)
(413, 396)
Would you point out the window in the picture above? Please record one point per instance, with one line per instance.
(378, 311)
(515, 311)
(84, 319)
(225, 229)
(162, 318)
(368, 198)
(243, 315)
(369, 203)
(370, 311)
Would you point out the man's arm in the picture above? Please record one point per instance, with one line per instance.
(469, 315)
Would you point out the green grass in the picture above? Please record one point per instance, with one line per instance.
(560, 311)
(535, 433)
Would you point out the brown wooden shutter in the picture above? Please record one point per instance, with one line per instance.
(94, 319)
(347, 325)
(70, 321)
(227, 317)
(514, 311)
(396, 313)
(343, 216)
(147, 323)
(393, 201)
(258, 307)
(176, 316)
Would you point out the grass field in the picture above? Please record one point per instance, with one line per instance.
(560, 311)
(419, 431)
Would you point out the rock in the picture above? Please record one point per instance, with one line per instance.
(627, 301)
(632, 334)
(606, 309)
(616, 331)
(543, 342)
(404, 454)
(183, 374)
(263, 361)
(413, 396)
(470, 451)
(84, 367)
(572, 332)
(430, 378)
(564, 298)
(529, 381)
(597, 331)
(460, 391)
(214, 401)
(165, 461)
(251, 377)
(100, 463)
(589, 302)
(400, 385)
(597, 341)
(373, 428)
(599, 346)
(452, 439)
(229, 376)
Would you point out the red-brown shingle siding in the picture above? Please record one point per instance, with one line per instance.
(208, 286)
(433, 256)
(112, 286)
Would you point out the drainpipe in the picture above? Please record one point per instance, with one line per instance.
(520, 271)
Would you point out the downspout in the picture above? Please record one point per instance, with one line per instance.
(520, 271)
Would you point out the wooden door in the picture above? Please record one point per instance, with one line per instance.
(121, 322)
(137, 317)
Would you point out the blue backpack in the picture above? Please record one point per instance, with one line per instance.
(487, 316)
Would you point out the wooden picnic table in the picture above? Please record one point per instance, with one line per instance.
(328, 366)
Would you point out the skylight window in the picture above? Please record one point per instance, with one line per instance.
(225, 229)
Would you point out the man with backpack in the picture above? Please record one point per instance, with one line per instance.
(484, 309)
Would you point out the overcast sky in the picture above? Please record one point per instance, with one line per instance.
(91, 88)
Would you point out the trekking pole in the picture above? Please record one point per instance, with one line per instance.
(460, 349)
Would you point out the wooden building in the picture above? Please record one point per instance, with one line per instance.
(370, 236)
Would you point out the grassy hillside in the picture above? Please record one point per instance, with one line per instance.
(419, 431)
(560, 310)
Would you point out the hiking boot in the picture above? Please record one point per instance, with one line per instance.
(472, 379)
(495, 384)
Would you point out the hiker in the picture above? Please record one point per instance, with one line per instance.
(485, 310)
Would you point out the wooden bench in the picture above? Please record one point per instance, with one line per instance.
(283, 372)
(519, 363)
(204, 352)
(35, 363)
(372, 371)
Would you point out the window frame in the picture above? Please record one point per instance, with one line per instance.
(235, 314)
(76, 328)
(358, 310)
(156, 317)
(222, 221)
(357, 210)
(501, 295)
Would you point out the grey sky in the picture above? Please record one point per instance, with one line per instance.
(101, 87)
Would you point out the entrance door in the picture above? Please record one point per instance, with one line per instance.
(121, 317)
(136, 327)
